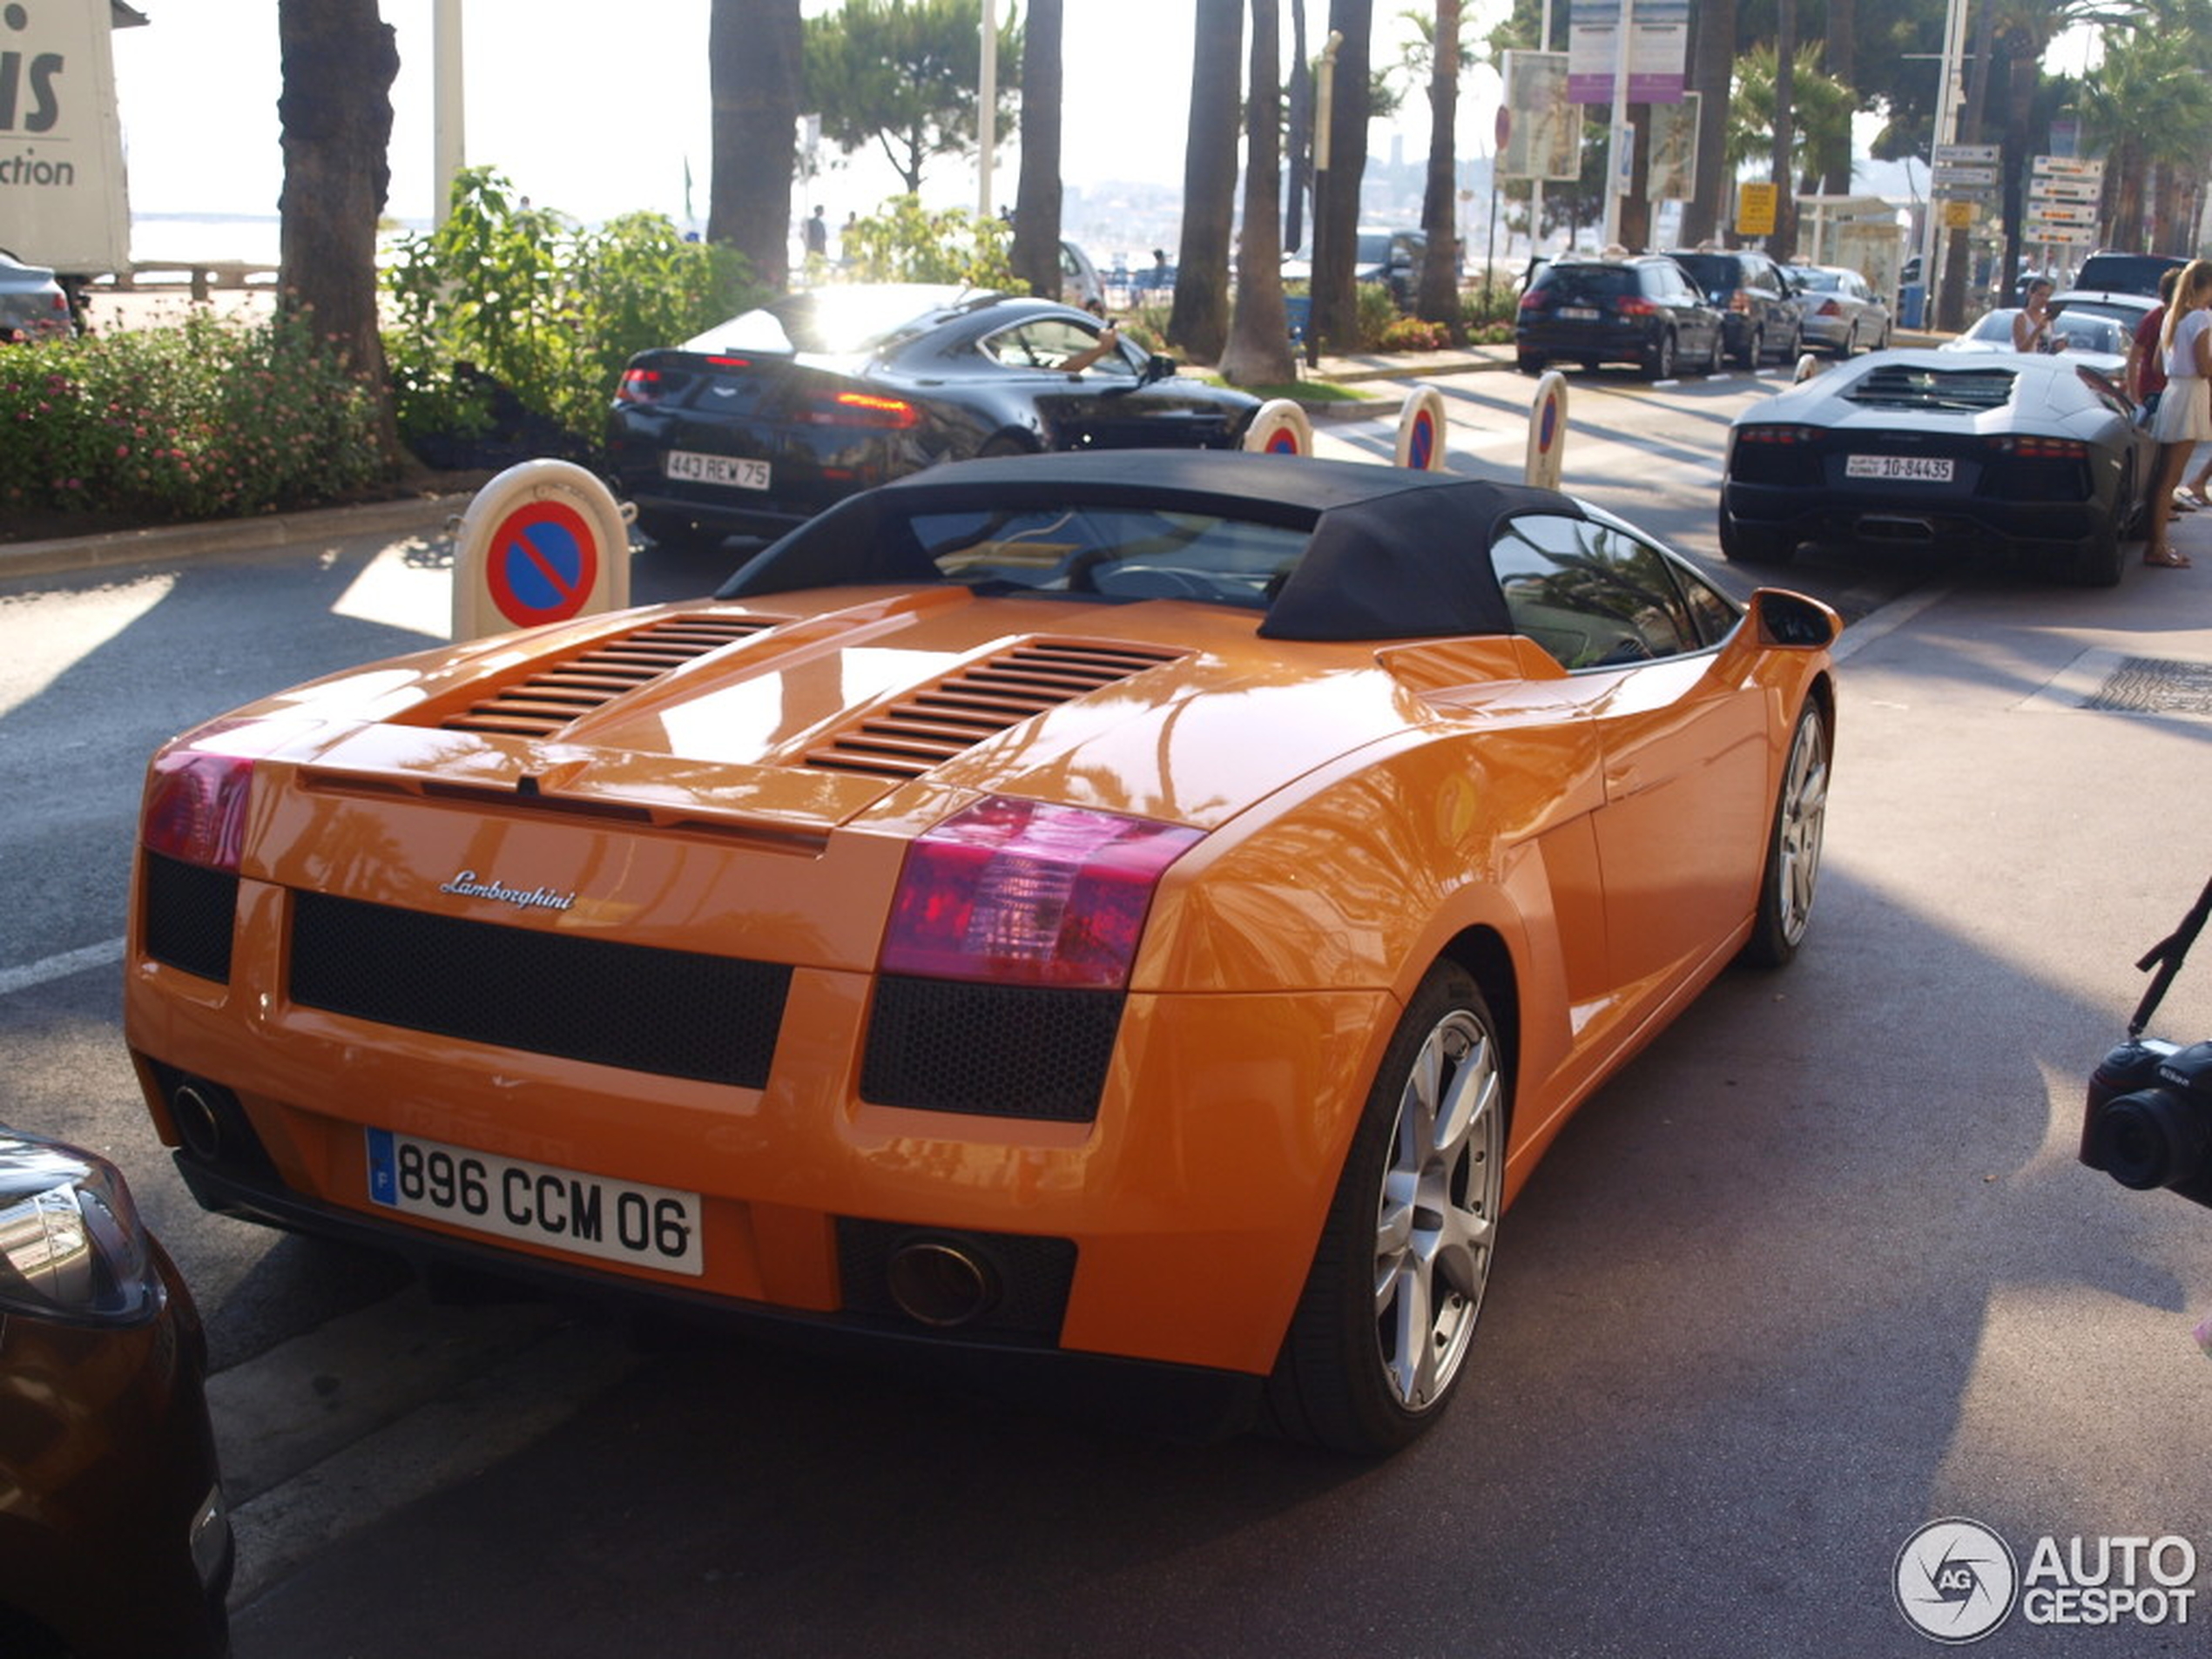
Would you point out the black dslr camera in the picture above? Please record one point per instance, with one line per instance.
(2149, 1120)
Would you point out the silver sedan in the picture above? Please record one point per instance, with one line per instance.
(1843, 313)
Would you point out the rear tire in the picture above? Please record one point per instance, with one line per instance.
(1529, 363)
(1660, 366)
(1380, 1337)
(1754, 350)
(1743, 543)
(2099, 562)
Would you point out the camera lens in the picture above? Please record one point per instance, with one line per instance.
(2153, 1138)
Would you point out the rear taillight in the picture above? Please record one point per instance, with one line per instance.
(858, 409)
(1028, 892)
(2028, 447)
(1776, 434)
(1636, 306)
(1830, 308)
(639, 385)
(195, 807)
(198, 790)
(1535, 300)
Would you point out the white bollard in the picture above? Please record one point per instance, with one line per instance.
(543, 542)
(1279, 428)
(1420, 431)
(1547, 432)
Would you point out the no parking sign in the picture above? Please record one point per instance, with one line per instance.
(1547, 433)
(1420, 431)
(543, 542)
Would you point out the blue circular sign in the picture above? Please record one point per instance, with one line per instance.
(543, 563)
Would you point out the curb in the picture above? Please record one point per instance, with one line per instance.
(227, 536)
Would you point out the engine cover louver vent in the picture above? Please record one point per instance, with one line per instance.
(569, 689)
(920, 732)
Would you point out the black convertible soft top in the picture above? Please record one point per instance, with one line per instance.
(1392, 554)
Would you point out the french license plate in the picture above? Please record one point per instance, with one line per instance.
(587, 1215)
(728, 470)
(1925, 470)
(1578, 314)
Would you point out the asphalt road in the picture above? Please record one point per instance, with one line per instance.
(1817, 1269)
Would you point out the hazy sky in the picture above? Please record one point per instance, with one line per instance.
(595, 110)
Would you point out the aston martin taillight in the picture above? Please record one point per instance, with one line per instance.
(1029, 892)
(639, 385)
(859, 409)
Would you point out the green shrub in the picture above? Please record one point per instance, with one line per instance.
(1374, 311)
(508, 302)
(214, 417)
(1412, 333)
(907, 242)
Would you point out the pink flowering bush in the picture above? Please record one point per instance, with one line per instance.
(213, 417)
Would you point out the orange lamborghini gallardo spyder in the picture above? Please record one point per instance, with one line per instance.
(1124, 924)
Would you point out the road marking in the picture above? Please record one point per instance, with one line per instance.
(70, 961)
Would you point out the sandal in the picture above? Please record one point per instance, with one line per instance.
(2165, 558)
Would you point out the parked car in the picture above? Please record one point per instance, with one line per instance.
(1839, 310)
(33, 303)
(2111, 272)
(1643, 310)
(115, 1542)
(1394, 258)
(1118, 923)
(762, 421)
(1761, 314)
(2126, 309)
(2037, 457)
(1080, 284)
(2089, 340)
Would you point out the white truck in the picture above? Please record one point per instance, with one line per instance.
(62, 200)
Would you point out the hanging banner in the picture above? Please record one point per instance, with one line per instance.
(1672, 174)
(1544, 135)
(1658, 49)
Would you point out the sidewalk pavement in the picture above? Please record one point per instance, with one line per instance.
(425, 513)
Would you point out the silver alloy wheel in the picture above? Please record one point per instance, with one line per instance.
(1798, 831)
(1438, 1209)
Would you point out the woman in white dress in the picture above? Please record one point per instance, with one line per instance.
(2184, 416)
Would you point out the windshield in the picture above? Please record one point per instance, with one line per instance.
(834, 321)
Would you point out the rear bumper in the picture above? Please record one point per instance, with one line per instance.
(1985, 524)
(1146, 1397)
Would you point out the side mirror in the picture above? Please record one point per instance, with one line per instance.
(1793, 622)
(1158, 367)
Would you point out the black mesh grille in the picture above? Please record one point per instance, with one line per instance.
(1001, 1050)
(188, 912)
(673, 1013)
(1029, 1276)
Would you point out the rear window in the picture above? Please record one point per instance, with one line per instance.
(1117, 552)
(1588, 281)
(2125, 273)
(1708, 271)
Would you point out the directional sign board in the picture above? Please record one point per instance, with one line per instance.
(1966, 155)
(2067, 167)
(1945, 177)
(2064, 190)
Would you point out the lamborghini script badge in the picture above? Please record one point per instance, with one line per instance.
(466, 886)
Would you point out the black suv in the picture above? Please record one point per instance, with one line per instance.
(2112, 272)
(1643, 310)
(1757, 299)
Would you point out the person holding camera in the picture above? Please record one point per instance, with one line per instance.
(2032, 323)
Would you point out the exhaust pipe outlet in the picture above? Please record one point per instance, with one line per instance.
(198, 1122)
(940, 1281)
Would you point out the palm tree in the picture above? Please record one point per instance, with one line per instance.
(1439, 43)
(1036, 201)
(1198, 325)
(2145, 105)
(1258, 352)
(1336, 217)
(334, 114)
(753, 75)
(1712, 67)
(1821, 133)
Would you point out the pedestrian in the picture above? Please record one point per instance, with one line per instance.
(2143, 376)
(2184, 417)
(2031, 329)
(818, 235)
